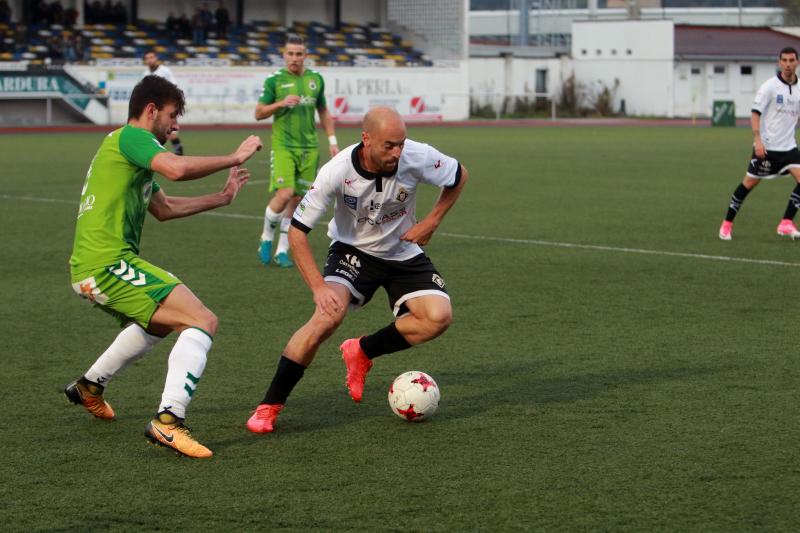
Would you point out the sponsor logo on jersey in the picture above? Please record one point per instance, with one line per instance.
(389, 217)
(402, 195)
(351, 201)
(348, 183)
(374, 206)
(308, 100)
(437, 279)
(287, 85)
(86, 205)
(301, 207)
(780, 98)
(438, 163)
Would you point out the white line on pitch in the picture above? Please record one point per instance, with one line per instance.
(534, 242)
(619, 249)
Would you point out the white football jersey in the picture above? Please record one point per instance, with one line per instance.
(778, 103)
(161, 71)
(372, 211)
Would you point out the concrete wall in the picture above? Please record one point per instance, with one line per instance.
(697, 85)
(560, 21)
(632, 58)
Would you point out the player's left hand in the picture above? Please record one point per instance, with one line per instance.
(237, 178)
(420, 233)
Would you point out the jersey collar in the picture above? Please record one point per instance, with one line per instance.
(364, 173)
(786, 82)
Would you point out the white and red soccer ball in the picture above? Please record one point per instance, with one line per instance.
(414, 396)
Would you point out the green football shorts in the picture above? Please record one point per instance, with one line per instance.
(129, 290)
(293, 168)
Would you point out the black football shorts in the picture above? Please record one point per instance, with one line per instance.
(362, 274)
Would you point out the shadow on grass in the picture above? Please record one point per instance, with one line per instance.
(507, 387)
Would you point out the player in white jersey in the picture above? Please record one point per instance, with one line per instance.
(156, 68)
(376, 243)
(773, 121)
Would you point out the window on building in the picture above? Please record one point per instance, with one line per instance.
(721, 79)
(541, 81)
(747, 82)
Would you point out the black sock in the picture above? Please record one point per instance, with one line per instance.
(286, 377)
(737, 198)
(383, 341)
(794, 203)
(176, 144)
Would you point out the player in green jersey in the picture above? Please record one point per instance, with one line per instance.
(105, 267)
(291, 95)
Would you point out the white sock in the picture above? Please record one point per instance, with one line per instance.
(131, 344)
(271, 219)
(283, 241)
(186, 363)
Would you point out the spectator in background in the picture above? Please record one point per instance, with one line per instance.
(70, 55)
(197, 28)
(172, 25)
(56, 13)
(3, 44)
(184, 27)
(223, 20)
(207, 20)
(70, 17)
(5, 12)
(20, 38)
(55, 48)
(119, 13)
(82, 50)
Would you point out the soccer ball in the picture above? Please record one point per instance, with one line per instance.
(414, 396)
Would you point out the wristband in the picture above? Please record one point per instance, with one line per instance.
(332, 140)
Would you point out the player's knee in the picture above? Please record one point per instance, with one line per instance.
(440, 320)
(208, 321)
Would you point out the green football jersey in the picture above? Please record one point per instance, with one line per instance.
(293, 127)
(114, 199)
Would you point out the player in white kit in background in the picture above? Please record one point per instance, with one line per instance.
(773, 120)
(376, 243)
(156, 68)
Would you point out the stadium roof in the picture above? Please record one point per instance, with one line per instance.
(730, 43)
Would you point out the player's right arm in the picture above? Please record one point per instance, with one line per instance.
(181, 168)
(165, 207)
(758, 145)
(267, 105)
(310, 209)
(760, 104)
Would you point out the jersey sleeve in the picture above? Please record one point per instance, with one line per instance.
(321, 102)
(268, 92)
(316, 201)
(139, 146)
(763, 98)
(439, 169)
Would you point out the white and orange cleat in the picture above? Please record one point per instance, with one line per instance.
(725, 230)
(80, 394)
(358, 364)
(263, 419)
(176, 436)
(787, 229)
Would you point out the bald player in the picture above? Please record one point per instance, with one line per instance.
(376, 243)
